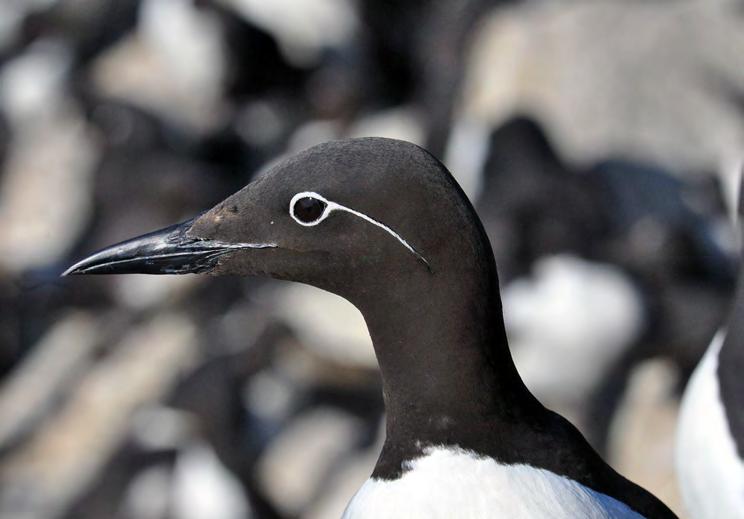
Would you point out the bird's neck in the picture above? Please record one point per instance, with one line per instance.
(731, 355)
(731, 366)
(442, 349)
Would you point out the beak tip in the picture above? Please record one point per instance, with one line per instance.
(76, 269)
(71, 271)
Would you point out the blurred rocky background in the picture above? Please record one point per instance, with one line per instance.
(600, 141)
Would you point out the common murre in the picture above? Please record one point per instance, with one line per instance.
(710, 433)
(383, 224)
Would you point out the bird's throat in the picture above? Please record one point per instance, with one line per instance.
(443, 353)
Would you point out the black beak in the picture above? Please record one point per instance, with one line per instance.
(167, 251)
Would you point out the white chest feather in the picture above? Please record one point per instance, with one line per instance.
(448, 483)
(711, 473)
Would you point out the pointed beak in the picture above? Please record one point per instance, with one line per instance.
(167, 251)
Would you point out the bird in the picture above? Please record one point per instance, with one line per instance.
(383, 224)
(710, 433)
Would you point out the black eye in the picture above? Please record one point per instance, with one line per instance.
(308, 209)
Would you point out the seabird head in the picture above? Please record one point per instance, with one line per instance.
(338, 216)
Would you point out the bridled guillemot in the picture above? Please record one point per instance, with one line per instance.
(383, 224)
(710, 434)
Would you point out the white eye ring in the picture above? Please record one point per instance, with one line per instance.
(329, 206)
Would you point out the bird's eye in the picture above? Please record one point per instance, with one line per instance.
(308, 209)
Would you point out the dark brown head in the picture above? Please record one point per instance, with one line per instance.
(343, 216)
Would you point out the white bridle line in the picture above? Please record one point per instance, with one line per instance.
(333, 206)
(378, 224)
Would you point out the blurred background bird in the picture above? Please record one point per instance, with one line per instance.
(600, 142)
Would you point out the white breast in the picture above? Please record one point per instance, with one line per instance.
(448, 483)
(711, 473)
